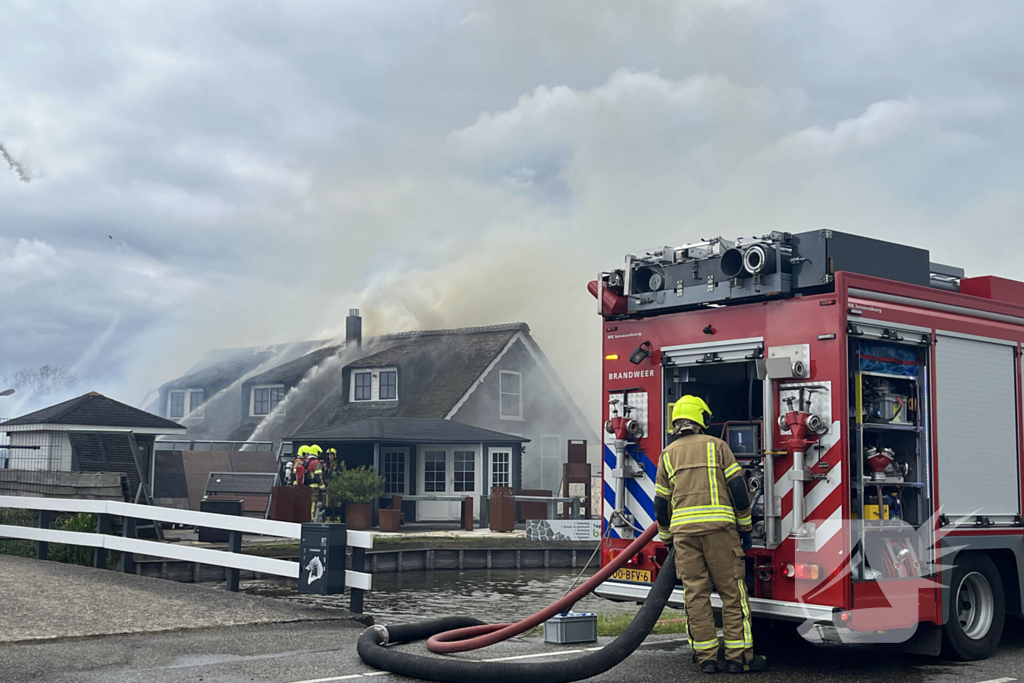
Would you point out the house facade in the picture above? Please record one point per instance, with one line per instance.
(494, 378)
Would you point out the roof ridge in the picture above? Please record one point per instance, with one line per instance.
(75, 403)
(503, 327)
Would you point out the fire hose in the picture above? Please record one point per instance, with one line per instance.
(458, 634)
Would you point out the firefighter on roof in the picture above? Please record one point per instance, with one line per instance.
(703, 507)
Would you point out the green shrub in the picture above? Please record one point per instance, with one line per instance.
(13, 546)
(360, 485)
(74, 554)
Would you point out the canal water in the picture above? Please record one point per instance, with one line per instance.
(492, 595)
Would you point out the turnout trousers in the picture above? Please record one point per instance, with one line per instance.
(715, 558)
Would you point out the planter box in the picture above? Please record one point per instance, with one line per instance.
(359, 516)
(390, 520)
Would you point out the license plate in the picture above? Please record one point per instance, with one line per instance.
(636, 575)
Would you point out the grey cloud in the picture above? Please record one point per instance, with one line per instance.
(262, 168)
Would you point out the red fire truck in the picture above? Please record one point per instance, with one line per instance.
(874, 401)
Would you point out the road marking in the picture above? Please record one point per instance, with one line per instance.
(1000, 680)
(536, 655)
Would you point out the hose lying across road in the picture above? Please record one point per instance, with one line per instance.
(458, 634)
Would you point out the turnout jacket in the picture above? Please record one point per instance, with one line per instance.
(703, 484)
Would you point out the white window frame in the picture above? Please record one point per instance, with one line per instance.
(505, 451)
(184, 403)
(252, 399)
(374, 385)
(191, 412)
(501, 412)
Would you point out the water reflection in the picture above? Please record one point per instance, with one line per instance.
(493, 595)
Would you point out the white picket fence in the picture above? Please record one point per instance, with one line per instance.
(358, 540)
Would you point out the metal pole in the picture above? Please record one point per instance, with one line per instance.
(128, 559)
(42, 547)
(771, 515)
(99, 555)
(235, 546)
(355, 604)
(575, 508)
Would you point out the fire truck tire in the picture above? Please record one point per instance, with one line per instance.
(976, 609)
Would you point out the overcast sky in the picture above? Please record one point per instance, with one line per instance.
(204, 175)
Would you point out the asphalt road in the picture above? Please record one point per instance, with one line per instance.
(322, 652)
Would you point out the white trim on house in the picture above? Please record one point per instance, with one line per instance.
(448, 510)
(188, 410)
(552, 377)
(252, 399)
(374, 384)
(503, 451)
(502, 394)
(483, 376)
(47, 427)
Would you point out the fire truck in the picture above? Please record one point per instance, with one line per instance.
(873, 399)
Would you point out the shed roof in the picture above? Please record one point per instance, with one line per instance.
(95, 410)
(408, 430)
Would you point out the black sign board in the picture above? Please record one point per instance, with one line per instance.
(322, 559)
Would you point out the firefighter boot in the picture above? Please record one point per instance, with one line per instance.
(700, 620)
(756, 663)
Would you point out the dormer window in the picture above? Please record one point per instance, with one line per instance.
(264, 399)
(185, 402)
(374, 384)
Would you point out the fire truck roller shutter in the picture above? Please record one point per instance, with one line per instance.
(726, 350)
(976, 419)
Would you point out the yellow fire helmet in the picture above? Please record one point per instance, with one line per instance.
(315, 450)
(332, 450)
(303, 451)
(692, 408)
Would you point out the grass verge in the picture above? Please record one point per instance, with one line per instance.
(670, 621)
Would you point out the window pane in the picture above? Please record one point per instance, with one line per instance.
(276, 396)
(260, 401)
(388, 385)
(510, 405)
(363, 383)
(509, 383)
(465, 471)
(434, 474)
(195, 403)
(501, 469)
(177, 404)
(394, 472)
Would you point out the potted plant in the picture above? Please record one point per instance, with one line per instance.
(357, 488)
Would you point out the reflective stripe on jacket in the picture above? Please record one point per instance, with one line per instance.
(693, 474)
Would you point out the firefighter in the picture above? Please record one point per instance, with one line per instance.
(703, 508)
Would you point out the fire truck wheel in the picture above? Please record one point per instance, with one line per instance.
(976, 609)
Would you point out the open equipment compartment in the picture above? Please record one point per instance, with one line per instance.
(890, 451)
(730, 385)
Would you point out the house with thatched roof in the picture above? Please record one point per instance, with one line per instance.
(493, 378)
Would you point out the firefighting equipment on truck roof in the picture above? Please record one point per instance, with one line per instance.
(692, 408)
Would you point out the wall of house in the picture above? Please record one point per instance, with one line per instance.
(54, 451)
(546, 420)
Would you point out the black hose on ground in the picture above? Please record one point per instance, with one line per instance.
(451, 669)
